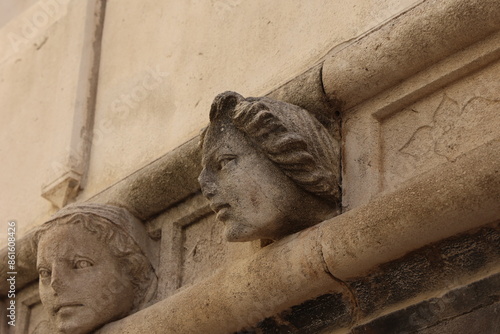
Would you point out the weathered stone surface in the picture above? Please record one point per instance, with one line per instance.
(125, 140)
(437, 267)
(306, 265)
(248, 291)
(269, 168)
(158, 185)
(406, 45)
(469, 309)
(198, 49)
(25, 264)
(330, 311)
(393, 136)
(192, 245)
(306, 91)
(432, 270)
(94, 265)
(484, 320)
(31, 317)
(440, 127)
(444, 201)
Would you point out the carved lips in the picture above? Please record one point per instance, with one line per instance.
(64, 306)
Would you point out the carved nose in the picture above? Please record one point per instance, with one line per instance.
(208, 191)
(57, 282)
(208, 186)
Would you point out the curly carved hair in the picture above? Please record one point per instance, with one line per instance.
(130, 258)
(290, 136)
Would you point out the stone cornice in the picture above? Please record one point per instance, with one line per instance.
(406, 45)
(424, 27)
(450, 199)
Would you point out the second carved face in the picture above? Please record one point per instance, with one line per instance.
(94, 267)
(82, 285)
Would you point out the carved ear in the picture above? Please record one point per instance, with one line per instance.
(224, 102)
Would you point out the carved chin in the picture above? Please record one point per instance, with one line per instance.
(75, 323)
(68, 328)
(235, 232)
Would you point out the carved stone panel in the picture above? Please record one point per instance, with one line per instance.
(429, 118)
(193, 246)
(438, 128)
(205, 250)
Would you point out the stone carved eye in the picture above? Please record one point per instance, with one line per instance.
(44, 273)
(224, 160)
(81, 264)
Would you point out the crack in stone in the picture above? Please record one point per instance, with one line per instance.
(353, 301)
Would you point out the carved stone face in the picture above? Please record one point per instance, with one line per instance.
(248, 192)
(82, 285)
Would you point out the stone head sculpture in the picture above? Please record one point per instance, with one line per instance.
(269, 168)
(94, 268)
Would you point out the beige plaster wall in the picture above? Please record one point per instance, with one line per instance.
(9, 9)
(161, 64)
(195, 50)
(40, 82)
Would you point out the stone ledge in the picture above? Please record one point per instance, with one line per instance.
(421, 37)
(432, 273)
(320, 260)
(161, 184)
(479, 296)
